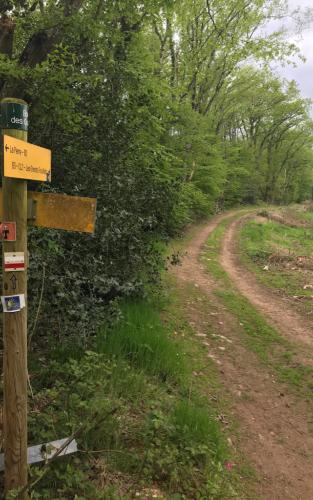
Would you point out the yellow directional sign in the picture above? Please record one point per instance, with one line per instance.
(23, 160)
(60, 211)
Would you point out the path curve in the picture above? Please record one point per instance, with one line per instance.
(190, 267)
(278, 310)
(275, 426)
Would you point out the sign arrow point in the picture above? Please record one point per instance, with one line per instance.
(14, 280)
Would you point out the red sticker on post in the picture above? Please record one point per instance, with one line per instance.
(14, 261)
(8, 231)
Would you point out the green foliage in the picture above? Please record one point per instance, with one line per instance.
(159, 432)
(150, 107)
(193, 204)
(141, 339)
(194, 425)
(269, 127)
(188, 436)
(161, 128)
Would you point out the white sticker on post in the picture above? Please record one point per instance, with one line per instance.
(14, 261)
(13, 303)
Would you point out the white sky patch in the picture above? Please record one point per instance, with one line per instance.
(303, 72)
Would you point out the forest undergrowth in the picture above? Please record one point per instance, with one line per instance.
(148, 430)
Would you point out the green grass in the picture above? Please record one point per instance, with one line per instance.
(258, 335)
(308, 216)
(271, 236)
(258, 241)
(301, 212)
(195, 427)
(165, 430)
(206, 387)
(142, 340)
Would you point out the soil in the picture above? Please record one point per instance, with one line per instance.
(275, 425)
(278, 310)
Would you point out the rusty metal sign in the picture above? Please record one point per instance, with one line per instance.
(60, 211)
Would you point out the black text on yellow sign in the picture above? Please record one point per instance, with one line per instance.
(23, 160)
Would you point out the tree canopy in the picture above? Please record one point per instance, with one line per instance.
(163, 110)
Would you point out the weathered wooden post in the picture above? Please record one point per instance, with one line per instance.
(14, 123)
(22, 161)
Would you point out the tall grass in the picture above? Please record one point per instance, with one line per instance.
(141, 338)
(272, 236)
(197, 427)
(259, 241)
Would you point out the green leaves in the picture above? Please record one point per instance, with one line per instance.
(150, 107)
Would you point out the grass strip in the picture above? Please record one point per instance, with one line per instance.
(261, 338)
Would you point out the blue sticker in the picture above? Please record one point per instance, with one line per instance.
(13, 303)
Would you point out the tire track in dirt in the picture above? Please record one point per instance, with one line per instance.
(277, 310)
(275, 432)
(190, 264)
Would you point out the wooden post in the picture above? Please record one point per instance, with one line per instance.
(15, 324)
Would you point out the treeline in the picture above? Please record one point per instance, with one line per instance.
(163, 110)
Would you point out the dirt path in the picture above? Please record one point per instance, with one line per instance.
(277, 310)
(274, 425)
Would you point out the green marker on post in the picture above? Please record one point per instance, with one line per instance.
(14, 116)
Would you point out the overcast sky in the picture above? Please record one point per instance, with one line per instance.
(303, 73)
